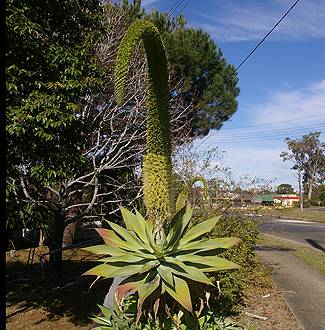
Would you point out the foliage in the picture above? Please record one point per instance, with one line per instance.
(48, 44)
(232, 283)
(153, 267)
(284, 188)
(113, 319)
(157, 163)
(46, 77)
(208, 80)
(182, 198)
(308, 156)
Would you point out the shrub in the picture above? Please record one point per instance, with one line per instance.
(233, 282)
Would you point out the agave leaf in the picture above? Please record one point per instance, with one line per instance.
(106, 311)
(129, 258)
(131, 240)
(110, 271)
(111, 239)
(166, 275)
(209, 263)
(105, 249)
(177, 225)
(211, 244)
(147, 289)
(181, 293)
(123, 290)
(148, 266)
(189, 272)
(136, 223)
(101, 321)
(198, 230)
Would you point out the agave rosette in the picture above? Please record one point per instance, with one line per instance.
(149, 265)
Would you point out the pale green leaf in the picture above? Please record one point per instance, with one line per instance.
(136, 223)
(128, 258)
(199, 230)
(209, 263)
(181, 293)
(110, 271)
(166, 275)
(104, 249)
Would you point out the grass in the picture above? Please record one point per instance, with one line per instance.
(312, 257)
(315, 214)
(311, 214)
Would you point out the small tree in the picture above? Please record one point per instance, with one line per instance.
(308, 157)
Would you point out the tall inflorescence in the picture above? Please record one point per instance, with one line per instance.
(157, 166)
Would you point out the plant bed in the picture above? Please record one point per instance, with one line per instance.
(38, 300)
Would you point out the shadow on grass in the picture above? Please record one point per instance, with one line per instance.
(272, 248)
(29, 287)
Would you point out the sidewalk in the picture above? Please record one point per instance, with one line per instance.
(303, 287)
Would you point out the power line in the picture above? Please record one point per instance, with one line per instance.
(261, 139)
(262, 135)
(259, 44)
(187, 3)
(273, 131)
(174, 7)
(271, 123)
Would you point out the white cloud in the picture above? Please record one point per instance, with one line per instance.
(250, 20)
(308, 103)
(256, 149)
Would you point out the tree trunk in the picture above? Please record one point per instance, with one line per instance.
(310, 188)
(55, 243)
(69, 233)
(70, 229)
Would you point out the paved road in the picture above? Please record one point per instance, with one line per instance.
(308, 233)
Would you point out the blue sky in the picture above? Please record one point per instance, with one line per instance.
(282, 84)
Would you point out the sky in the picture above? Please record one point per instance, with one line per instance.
(282, 84)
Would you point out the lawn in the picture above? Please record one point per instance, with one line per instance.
(312, 257)
(316, 214)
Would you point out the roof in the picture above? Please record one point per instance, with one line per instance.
(264, 198)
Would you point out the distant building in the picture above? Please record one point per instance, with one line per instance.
(286, 200)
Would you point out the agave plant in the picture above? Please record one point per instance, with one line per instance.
(151, 266)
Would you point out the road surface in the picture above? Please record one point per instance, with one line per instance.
(311, 234)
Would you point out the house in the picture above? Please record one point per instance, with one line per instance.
(286, 200)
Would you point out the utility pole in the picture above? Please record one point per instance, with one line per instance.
(300, 191)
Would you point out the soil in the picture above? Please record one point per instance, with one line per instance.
(269, 304)
(37, 301)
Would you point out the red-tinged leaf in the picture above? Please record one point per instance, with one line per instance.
(123, 290)
(112, 239)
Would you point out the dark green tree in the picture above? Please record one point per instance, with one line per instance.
(284, 188)
(50, 70)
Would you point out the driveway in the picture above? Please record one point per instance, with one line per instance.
(311, 234)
